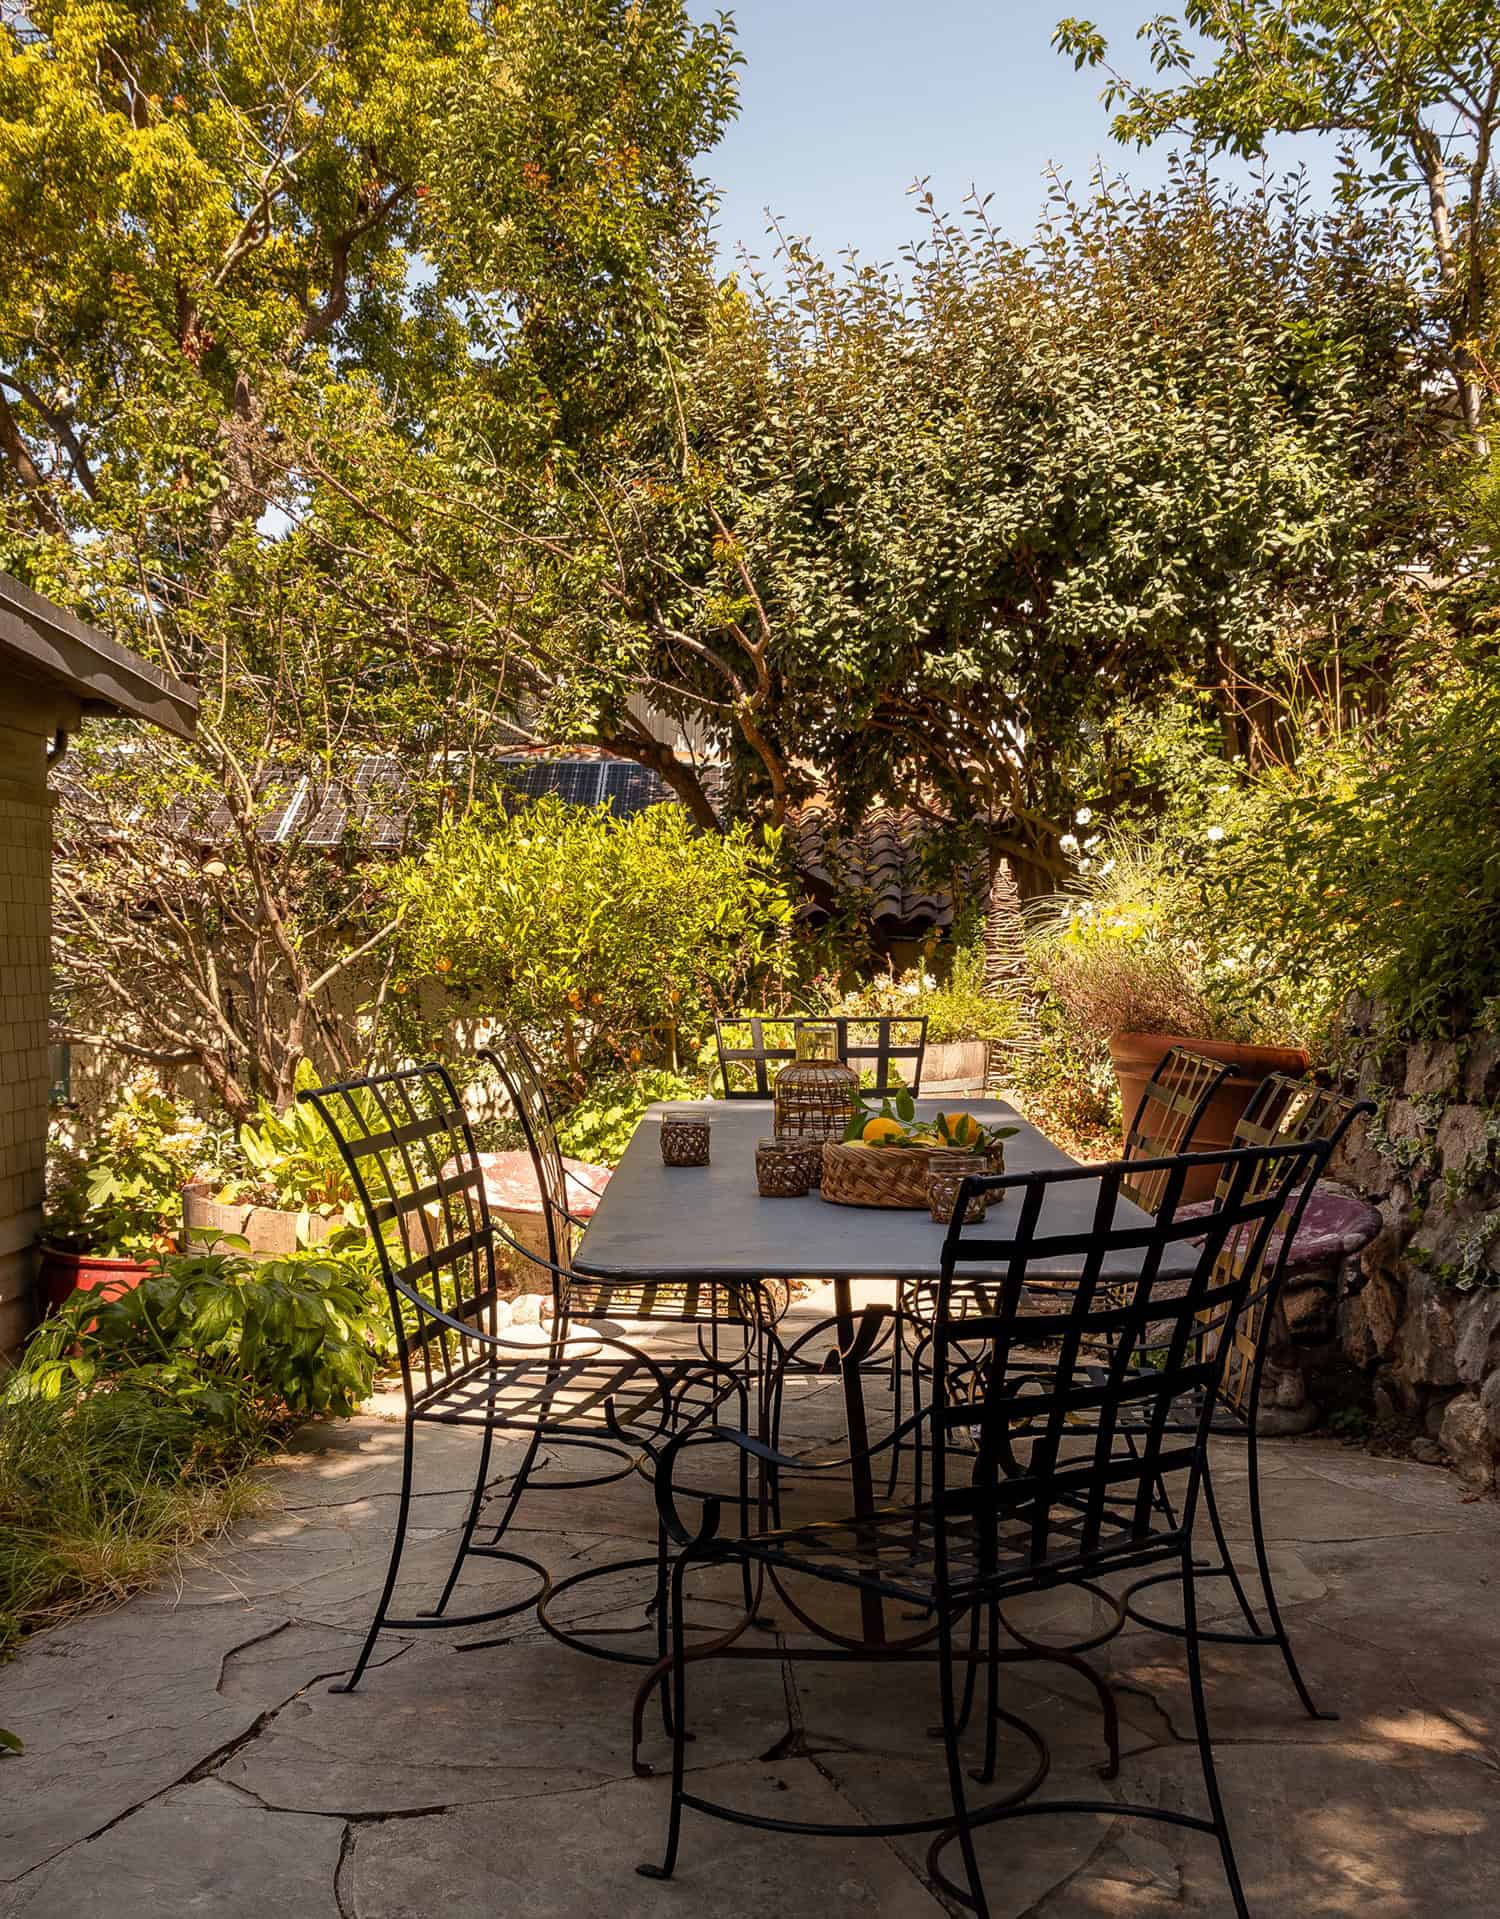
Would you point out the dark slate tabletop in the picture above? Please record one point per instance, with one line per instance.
(710, 1221)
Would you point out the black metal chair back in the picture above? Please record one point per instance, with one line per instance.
(1166, 1118)
(716, 1305)
(875, 1045)
(1160, 1300)
(1282, 1112)
(753, 1047)
(409, 1148)
(527, 1092)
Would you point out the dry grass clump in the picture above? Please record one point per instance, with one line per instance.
(100, 1495)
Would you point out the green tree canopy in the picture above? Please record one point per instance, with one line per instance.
(1412, 85)
(915, 536)
(252, 252)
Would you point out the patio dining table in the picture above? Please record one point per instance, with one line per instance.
(710, 1223)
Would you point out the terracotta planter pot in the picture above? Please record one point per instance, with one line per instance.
(270, 1230)
(64, 1273)
(1136, 1057)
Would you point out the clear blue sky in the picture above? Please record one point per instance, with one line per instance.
(845, 102)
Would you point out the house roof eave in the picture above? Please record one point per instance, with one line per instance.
(44, 642)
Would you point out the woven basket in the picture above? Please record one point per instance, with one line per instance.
(894, 1176)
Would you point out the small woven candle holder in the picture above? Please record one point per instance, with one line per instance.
(946, 1172)
(684, 1139)
(782, 1169)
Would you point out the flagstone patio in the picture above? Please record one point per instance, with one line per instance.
(184, 1753)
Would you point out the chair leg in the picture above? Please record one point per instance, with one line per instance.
(466, 1536)
(398, 1544)
(649, 1870)
(898, 1353)
(962, 1827)
(971, 1677)
(1205, 1744)
(1268, 1584)
(1226, 1557)
(518, 1486)
(985, 1776)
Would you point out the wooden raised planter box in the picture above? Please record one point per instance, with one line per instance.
(270, 1230)
(956, 1065)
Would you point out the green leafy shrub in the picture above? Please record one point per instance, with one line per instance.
(99, 1490)
(605, 939)
(291, 1160)
(599, 1127)
(1144, 944)
(121, 1194)
(128, 1428)
(956, 1008)
(233, 1343)
(1067, 1086)
(1373, 865)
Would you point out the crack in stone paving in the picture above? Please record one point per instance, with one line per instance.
(260, 1639)
(209, 1766)
(343, 1865)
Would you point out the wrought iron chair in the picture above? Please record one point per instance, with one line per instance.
(1283, 1112)
(409, 1149)
(745, 1313)
(1167, 1116)
(751, 1044)
(1023, 1497)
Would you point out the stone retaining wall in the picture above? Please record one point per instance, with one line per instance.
(1421, 1319)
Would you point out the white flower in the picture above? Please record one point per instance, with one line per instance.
(929, 982)
(1215, 833)
(1068, 843)
(1084, 815)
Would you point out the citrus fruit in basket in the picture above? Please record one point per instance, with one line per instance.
(881, 1132)
(961, 1128)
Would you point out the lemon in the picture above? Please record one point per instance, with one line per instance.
(963, 1128)
(878, 1131)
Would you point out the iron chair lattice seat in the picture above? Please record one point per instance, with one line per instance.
(409, 1150)
(751, 1045)
(1025, 1505)
(1284, 1111)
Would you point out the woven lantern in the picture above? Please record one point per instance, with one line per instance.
(816, 1094)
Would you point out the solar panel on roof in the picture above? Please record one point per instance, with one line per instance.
(327, 813)
(383, 789)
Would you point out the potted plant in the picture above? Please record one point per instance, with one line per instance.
(288, 1188)
(1127, 986)
(112, 1207)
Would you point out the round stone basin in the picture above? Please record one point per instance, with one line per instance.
(510, 1187)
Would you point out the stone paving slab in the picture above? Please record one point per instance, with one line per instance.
(185, 1755)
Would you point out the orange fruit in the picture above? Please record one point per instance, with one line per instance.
(878, 1131)
(963, 1128)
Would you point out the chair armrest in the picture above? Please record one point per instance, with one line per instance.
(667, 1492)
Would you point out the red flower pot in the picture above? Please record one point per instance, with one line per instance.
(65, 1273)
